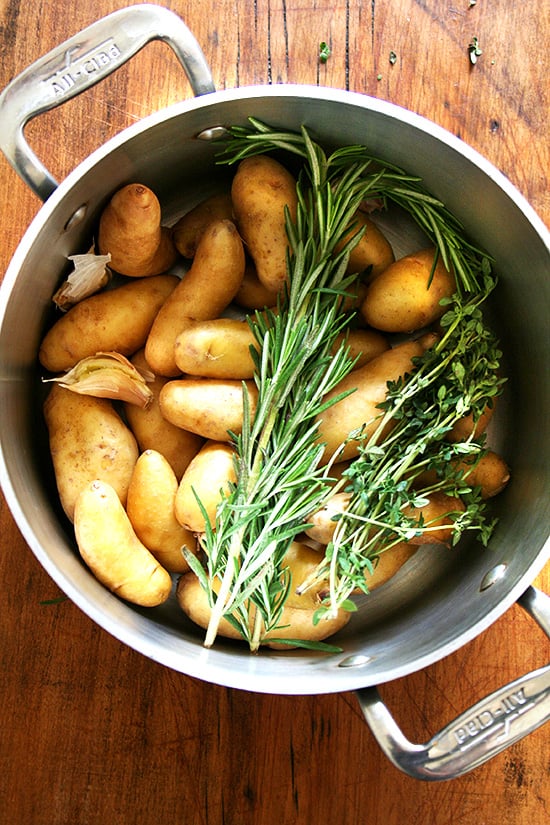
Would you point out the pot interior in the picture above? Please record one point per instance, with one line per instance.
(436, 602)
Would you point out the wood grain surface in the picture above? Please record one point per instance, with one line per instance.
(92, 732)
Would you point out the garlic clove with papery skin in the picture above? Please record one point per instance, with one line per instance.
(108, 375)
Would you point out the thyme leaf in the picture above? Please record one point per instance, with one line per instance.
(324, 52)
(474, 50)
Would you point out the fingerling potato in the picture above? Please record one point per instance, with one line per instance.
(295, 623)
(252, 294)
(437, 518)
(364, 345)
(489, 472)
(373, 250)
(299, 563)
(111, 549)
(388, 563)
(88, 440)
(206, 406)
(360, 409)
(188, 230)
(150, 508)
(217, 349)
(153, 432)
(260, 191)
(209, 477)
(470, 426)
(130, 231)
(203, 293)
(406, 296)
(116, 320)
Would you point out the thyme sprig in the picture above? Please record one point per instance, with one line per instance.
(280, 481)
(456, 376)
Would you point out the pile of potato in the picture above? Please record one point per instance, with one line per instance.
(128, 474)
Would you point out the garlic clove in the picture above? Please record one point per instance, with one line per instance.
(108, 375)
(91, 273)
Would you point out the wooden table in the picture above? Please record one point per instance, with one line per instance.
(90, 731)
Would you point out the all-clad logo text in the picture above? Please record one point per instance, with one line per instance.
(78, 67)
(502, 714)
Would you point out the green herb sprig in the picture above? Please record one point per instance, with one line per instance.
(456, 376)
(279, 478)
(384, 181)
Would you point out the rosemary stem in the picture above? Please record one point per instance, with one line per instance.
(225, 587)
(257, 632)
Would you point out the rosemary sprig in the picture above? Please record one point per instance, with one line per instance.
(384, 181)
(279, 477)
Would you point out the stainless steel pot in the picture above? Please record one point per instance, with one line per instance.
(438, 602)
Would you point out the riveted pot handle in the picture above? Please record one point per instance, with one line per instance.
(485, 729)
(81, 62)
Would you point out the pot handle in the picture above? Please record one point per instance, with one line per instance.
(81, 62)
(485, 729)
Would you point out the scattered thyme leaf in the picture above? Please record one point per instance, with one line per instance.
(324, 51)
(474, 51)
(57, 600)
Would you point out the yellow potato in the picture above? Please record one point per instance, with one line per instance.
(364, 344)
(208, 407)
(116, 320)
(187, 232)
(252, 294)
(217, 349)
(88, 440)
(113, 552)
(465, 427)
(360, 408)
(372, 250)
(388, 563)
(203, 293)
(323, 522)
(208, 476)
(153, 431)
(402, 298)
(130, 230)
(261, 190)
(490, 473)
(435, 518)
(296, 623)
(150, 508)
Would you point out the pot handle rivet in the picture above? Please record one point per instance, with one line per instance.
(77, 217)
(358, 660)
(493, 576)
(214, 133)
